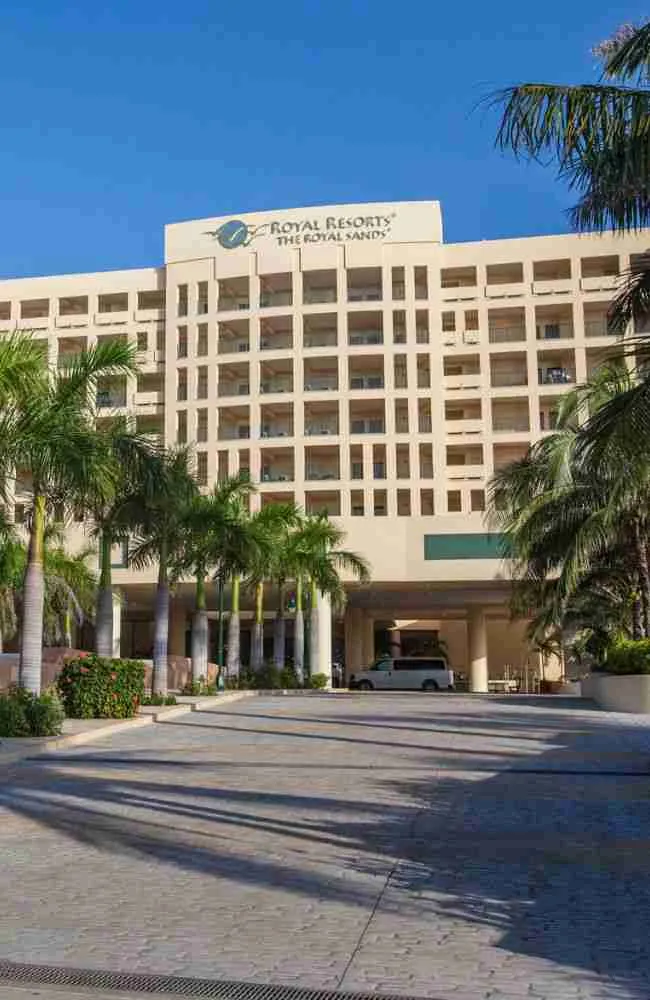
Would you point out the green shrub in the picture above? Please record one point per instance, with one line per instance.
(200, 688)
(317, 682)
(94, 687)
(159, 699)
(25, 714)
(628, 656)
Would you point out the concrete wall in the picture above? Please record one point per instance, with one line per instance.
(630, 693)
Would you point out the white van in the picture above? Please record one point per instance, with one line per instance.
(407, 673)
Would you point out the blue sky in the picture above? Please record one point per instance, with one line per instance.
(120, 117)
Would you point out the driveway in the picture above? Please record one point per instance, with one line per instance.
(442, 846)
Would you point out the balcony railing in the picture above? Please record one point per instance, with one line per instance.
(106, 399)
(367, 382)
(316, 430)
(370, 294)
(515, 378)
(597, 327)
(507, 425)
(279, 342)
(368, 426)
(234, 347)
(324, 384)
(361, 339)
(230, 304)
(276, 430)
(315, 296)
(556, 376)
(325, 339)
(233, 389)
(276, 476)
(554, 331)
(269, 300)
(322, 474)
(238, 433)
(507, 334)
(276, 385)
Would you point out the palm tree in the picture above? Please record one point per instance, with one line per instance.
(597, 135)
(70, 588)
(268, 528)
(130, 454)
(155, 513)
(574, 517)
(320, 559)
(12, 569)
(47, 432)
(215, 537)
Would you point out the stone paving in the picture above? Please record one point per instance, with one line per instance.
(443, 846)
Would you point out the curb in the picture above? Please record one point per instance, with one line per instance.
(74, 739)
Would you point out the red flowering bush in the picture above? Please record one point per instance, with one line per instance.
(94, 687)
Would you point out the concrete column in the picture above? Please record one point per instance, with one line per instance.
(477, 645)
(177, 620)
(395, 642)
(324, 647)
(117, 625)
(353, 641)
(368, 641)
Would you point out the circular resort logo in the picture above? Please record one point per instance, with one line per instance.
(235, 233)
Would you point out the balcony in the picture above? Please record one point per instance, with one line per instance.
(276, 420)
(367, 417)
(320, 338)
(372, 381)
(554, 331)
(599, 273)
(364, 284)
(509, 378)
(321, 419)
(276, 290)
(233, 423)
(456, 472)
(321, 375)
(458, 283)
(319, 287)
(464, 380)
(556, 376)
(276, 385)
(110, 399)
(149, 398)
(365, 338)
(321, 383)
(470, 426)
(276, 475)
(510, 417)
(277, 465)
(322, 464)
(232, 387)
(276, 334)
(233, 294)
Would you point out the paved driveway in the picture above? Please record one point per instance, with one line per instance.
(442, 846)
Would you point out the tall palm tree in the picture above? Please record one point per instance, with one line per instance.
(215, 538)
(574, 517)
(130, 454)
(12, 569)
(598, 137)
(47, 432)
(320, 559)
(70, 588)
(268, 528)
(156, 515)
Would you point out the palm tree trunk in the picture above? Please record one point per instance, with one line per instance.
(104, 605)
(161, 627)
(200, 634)
(299, 635)
(637, 617)
(31, 637)
(257, 643)
(279, 632)
(641, 553)
(313, 631)
(232, 660)
(67, 628)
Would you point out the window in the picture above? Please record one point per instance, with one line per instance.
(202, 340)
(181, 342)
(115, 302)
(419, 664)
(399, 291)
(399, 326)
(403, 503)
(154, 299)
(400, 376)
(202, 297)
(454, 505)
(427, 507)
(73, 305)
(181, 426)
(356, 498)
(379, 503)
(160, 338)
(143, 340)
(5, 310)
(421, 283)
(471, 319)
(202, 382)
(181, 385)
(181, 300)
(34, 308)
(448, 322)
(477, 500)
(201, 425)
(202, 468)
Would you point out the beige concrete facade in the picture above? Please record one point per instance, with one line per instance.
(353, 362)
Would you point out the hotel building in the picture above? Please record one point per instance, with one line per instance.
(353, 362)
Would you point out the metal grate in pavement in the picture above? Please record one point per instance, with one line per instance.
(18, 972)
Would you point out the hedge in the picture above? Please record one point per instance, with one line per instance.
(94, 687)
(629, 656)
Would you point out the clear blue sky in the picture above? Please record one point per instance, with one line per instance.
(119, 117)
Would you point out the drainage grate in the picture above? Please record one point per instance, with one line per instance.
(18, 972)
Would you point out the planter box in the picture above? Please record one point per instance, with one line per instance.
(619, 693)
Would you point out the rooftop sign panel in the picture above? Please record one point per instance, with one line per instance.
(393, 222)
